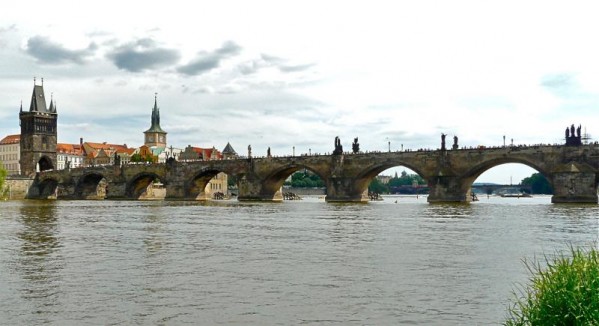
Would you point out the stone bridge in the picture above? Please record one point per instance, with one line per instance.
(573, 171)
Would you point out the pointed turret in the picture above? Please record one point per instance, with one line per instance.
(38, 100)
(155, 136)
(52, 108)
(155, 127)
(229, 152)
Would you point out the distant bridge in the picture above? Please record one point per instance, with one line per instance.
(492, 188)
(573, 171)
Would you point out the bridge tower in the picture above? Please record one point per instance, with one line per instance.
(155, 136)
(38, 133)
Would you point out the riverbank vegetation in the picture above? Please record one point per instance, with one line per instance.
(305, 179)
(538, 183)
(3, 191)
(564, 292)
(405, 183)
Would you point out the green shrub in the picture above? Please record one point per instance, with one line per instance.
(565, 292)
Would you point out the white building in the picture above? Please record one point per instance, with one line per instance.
(72, 153)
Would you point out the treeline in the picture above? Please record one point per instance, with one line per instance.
(405, 183)
(305, 179)
(539, 184)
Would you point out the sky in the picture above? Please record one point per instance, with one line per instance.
(293, 75)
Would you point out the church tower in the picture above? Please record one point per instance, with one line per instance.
(155, 136)
(38, 133)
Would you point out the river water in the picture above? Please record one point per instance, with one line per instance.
(293, 263)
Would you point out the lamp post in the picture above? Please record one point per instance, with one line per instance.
(389, 147)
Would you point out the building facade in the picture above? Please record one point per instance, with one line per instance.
(96, 154)
(69, 156)
(10, 153)
(38, 134)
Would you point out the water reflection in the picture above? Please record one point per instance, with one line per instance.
(449, 210)
(154, 231)
(39, 261)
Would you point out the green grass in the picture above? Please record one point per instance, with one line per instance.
(564, 292)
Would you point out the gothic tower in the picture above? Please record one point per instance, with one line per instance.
(155, 136)
(38, 133)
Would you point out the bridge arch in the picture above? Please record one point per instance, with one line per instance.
(91, 186)
(195, 187)
(275, 180)
(47, 188)
(142, 186)
(476, 171)
(45, 164)
(364, 179)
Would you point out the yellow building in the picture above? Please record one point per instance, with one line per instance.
(10, 153)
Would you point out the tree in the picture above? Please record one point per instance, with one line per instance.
(138, 158)
(406, 180)
(2, 180)
(538, 183)
(377, 186)
(305, 179)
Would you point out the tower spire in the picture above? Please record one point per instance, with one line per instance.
(155, 136)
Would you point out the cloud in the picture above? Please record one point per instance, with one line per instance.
(206, 61)
(5, 31)
(295, 68)
(50, 52)
(558, 82)
(143, 54)
(270, 61)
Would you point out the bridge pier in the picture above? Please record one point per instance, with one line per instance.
(574, 187)
(447, 189)
(345, 190)
(254, 189)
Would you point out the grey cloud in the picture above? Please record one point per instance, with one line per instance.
(143, 54)
(558, 81)
(266, 61)
(207, 61)
(50, 52)
(271, 59)
(295, 68)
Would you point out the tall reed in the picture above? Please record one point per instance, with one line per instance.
(563, 292)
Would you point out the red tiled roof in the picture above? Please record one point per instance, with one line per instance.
(74, 149)
(11, 139)
(98, 146)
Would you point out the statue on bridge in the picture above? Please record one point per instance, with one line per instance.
(117, 159)
(268, 153)
(443, 141)
(355, 146)
(250, 151)
(455, 143)
(338, 148)
(574, 136)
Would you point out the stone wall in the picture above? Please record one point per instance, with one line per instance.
(17, 187)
